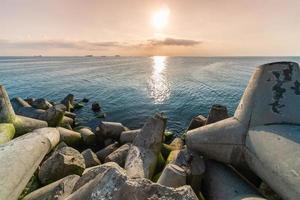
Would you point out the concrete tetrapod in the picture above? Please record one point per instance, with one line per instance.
(21, 157)
(222, 183)
(264, 131)
(7, 115)
(7, 132)
(53, 116)
(142, 156)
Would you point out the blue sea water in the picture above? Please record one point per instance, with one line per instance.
(131, 89)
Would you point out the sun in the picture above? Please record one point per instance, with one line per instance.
(160, 18)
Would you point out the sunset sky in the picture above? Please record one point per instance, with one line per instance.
(150, 27)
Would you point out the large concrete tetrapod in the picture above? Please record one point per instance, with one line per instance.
(265, 129)
(7, 115)
(21, 157)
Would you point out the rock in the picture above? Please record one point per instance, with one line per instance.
(263, 134)
(100, 115)
(144, 152)
(41, 104)
(21, 157)
(90, 173)
(110, 130)
(88, 137)
(31, 186)
(7, 132)
(112, 183)
(57, 190)
(85, 100)
(70, 115)
(108, 141)
(90, 158)
(197, 122)
(96, 107)
(119, 155)
(106, 151)
(172, 156)
(267, 192)
(78, 106)
(217, 113)
(160, 163)
(172, 176)
(69, 137)
(29, 100)
(168, 135)
(128, 136)
(63, 162)
(221, 182)
(68, 101)
(176, 144)
(60, 145)
(18, 101)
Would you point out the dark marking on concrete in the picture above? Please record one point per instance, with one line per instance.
(288, 73)
(278, 89)
(296, 88)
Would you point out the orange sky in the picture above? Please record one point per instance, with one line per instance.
(194, 28)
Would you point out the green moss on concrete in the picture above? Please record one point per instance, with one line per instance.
(160, 163)
(7, 132)
(156, 177)
(172, 156)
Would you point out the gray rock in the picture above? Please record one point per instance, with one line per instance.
(90, 158)
(172, 176)
(63, 162)
(68, 101)
(90, 173)
(143, 154)
(217, 113)
(112, 183)
(106, 151)
(111, 130)
(58, 190)
(108, 141)
(41, 104)
(119, 156)
(96, 107)
(197, 122)
(128, 136)
(88, 137)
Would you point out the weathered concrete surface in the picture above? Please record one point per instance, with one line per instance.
(7, 115)
(68, 101)
(222, 183)
(143, 153)
(58, 190)
(90, 173)
(69, 137)
(88, 137)
(21, 157)
(221, 141)
(119, 155)
(128, 136)
(63, 162)
(53, 116)
(264, 130)
(111, 129)
(197, 122)
(112, 183)
(25, 124)
(41, 104)
(217, 113)
(273, 153)
(172, 176)
(90, 158)
(7, 132)
(106, 151)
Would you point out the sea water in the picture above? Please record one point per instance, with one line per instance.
(130, 89)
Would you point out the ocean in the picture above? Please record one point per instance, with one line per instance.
(131, 89)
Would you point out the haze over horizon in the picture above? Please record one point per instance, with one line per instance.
(150, 27)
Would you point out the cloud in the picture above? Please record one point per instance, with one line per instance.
(58, 44)
(173, 42)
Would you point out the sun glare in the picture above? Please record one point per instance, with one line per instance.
(160, 18)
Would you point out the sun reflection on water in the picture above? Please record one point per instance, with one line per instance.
(159, 87)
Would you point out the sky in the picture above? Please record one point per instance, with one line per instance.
(131, 27)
